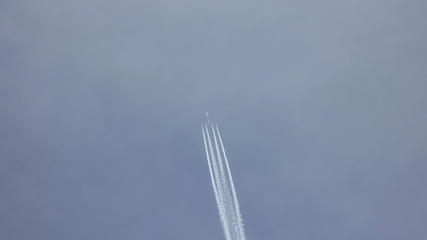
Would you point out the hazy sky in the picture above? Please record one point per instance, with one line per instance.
(322, 107)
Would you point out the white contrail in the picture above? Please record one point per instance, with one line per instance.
(215, 189)
(233, 190)
(223, 186)
(220, 190)
(229, 204)
(215, 179)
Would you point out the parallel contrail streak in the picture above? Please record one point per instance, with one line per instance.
(215, 189)
(233, 190)
(222, 183)
(227, 194)
(222, 208)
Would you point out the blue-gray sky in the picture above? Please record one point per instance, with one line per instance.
(322, 105)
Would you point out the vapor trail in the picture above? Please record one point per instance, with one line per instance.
(219, 193)
(222, 183)
(215, 189)
(227, 198)
(233, 190)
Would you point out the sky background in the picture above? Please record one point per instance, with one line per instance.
(322, 107)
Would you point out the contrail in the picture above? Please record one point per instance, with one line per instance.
(233, 190)
(222, 184)
(227, 194)
(218, 187)
(215, 189)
